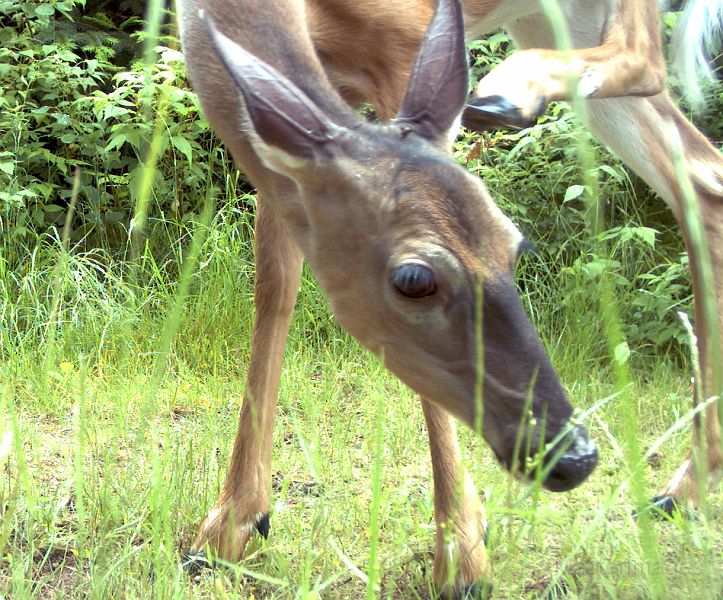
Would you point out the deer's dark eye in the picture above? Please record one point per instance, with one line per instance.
(414, 280)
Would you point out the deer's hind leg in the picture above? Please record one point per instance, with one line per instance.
(461, 566)
(637, 129)
(243, 505)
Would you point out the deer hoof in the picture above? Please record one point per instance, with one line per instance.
(263, 525)
(666, 506)
(479, 590)
(662, 508)
(223, 535)
(193, 563)
(496, 112)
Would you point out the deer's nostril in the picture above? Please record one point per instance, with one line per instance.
(574, 465)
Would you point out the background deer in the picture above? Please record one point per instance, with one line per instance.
(400, 238)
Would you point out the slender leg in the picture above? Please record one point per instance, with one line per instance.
(635, 128)
(243, 505)
(461, 566)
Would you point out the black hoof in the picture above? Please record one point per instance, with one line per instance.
(479, 590)
(496, 112)
(263, 525)
(663, 508)
(194, 563)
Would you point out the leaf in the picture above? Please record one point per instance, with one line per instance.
(44, 10)
(38, 215)
(594, 268)
(115, 142)
(616, 175)
(621, 353)
(7, 167)
(181, 144)
(647, 234)
(113, 110)
(574, 191)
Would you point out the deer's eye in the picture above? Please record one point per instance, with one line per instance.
(414, 280)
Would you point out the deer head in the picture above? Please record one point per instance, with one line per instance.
(417, 260)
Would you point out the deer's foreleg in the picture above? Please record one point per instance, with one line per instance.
(243, 505)
(461, 566)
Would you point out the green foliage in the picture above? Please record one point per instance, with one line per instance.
(66, 106)
(488, 53)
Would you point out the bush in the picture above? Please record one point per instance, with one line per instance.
(67, 108)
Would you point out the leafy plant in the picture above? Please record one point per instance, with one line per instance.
(66, 106)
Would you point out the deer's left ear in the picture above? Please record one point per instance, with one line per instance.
(439, 83)
(286, 128)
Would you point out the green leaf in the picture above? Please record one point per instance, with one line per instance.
(7, 167)
(181, 144)
(574, 191)
(621, 353)
(616, 175)
(113, 110)
(647, 234)
(116, 142)
(44, 10)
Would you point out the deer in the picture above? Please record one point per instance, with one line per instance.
(416, 259)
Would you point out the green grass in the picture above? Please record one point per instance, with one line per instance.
(108, 472)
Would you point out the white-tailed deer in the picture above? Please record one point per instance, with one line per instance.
(412, 252)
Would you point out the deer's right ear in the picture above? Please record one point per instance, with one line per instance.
(439, 81)
(289, 127)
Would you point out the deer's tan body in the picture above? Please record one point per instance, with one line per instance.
(400, 239)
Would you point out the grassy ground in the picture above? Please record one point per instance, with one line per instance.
(107, 469)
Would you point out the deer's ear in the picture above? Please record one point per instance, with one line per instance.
(439, 82)
(288, 128)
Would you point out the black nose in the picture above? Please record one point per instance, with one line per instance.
(577, 461)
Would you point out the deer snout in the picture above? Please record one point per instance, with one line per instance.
(564, 464)
(572, 467)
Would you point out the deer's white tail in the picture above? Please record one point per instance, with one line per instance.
(696, 39)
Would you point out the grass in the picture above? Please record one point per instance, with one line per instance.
(107, 473)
